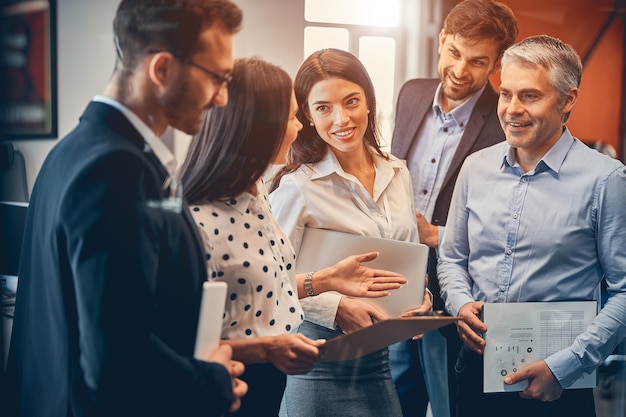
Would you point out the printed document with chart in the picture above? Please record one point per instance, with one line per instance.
(522, 333)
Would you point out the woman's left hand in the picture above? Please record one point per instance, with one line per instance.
(425, 307)
(354, 314)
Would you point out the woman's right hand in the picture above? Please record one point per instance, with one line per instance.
(292, 353)
(354, 314)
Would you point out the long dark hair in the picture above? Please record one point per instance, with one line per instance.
(321, 65)
(237, 142)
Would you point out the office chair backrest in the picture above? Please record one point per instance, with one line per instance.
(13, 182)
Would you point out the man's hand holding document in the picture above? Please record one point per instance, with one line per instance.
(520, 335)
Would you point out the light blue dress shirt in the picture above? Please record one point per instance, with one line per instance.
(550, 234)
(431, 155)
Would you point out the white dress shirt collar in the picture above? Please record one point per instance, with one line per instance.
(384, 172)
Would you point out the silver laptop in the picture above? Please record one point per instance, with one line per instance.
(322, 248)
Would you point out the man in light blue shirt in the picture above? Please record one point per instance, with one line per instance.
(539, 217)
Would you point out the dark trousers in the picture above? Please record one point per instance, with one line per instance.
(266, 385)
(473, 402)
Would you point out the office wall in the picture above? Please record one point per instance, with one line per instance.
(599, 112)
(273, 30)
(85, 60)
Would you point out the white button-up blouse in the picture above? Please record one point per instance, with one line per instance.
(324, 196)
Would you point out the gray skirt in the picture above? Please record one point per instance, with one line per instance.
(361, 388)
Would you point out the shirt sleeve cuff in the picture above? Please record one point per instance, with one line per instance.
(440, 230)
(453, 306)
(565, 367)
(321, 309)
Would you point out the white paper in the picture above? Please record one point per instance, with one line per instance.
(210, 320)
(522, 333)
(322, 248)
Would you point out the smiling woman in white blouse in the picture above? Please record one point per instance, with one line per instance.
(244, 245)
(338, 178)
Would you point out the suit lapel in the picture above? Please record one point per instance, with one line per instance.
(113, 119)
(412, 113)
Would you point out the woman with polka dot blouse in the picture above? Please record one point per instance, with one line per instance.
(244, 244)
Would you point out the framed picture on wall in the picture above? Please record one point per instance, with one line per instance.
(28, 107)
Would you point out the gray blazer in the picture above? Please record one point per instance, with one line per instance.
(415, 101)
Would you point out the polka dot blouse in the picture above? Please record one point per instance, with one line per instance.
(246, 248)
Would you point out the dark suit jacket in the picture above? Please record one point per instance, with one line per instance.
(109, 287)
(415, 102)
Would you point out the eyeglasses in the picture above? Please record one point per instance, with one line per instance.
(222, 80)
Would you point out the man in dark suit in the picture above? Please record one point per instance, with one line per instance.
(439, 122)
(112, 267)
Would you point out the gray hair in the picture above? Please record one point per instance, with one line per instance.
(560, 59)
